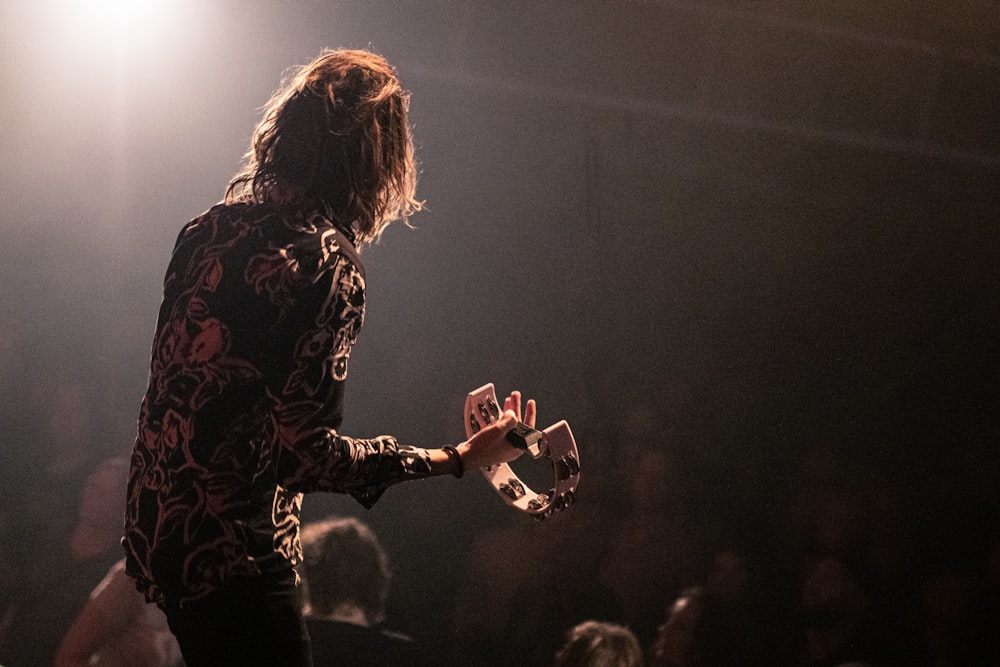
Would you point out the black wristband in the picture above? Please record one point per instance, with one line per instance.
(457, 458)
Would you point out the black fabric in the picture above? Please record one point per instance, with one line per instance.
(338, 644)
(261, 307)
(250, 622)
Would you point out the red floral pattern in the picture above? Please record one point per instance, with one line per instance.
(261, 307)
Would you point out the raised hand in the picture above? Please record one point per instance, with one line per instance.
(513, 403)
(485, 423)
(490, 446)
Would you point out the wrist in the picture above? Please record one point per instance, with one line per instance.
(455, 459)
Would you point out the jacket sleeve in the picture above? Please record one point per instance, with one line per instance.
(305, 365)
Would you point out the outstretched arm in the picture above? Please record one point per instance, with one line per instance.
(112, 606)
(305, 376)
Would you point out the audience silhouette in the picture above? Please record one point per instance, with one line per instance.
(347, 578)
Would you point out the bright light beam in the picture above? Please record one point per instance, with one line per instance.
(129, 24)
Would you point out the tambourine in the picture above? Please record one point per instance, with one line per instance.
(555, 443)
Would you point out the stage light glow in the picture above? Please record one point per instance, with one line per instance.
(130, 21)
(101, 24)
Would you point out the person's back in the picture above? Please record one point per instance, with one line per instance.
(344, 644)
(242, 281)
(262, 302)
(347, 577)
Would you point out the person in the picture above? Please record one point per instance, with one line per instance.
(118, 628)
(53, 586)
(840, 628)
(600, 644)
(703, 628)
(346, 578)
(263, 299)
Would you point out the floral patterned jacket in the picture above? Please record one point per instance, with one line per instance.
(261, 305)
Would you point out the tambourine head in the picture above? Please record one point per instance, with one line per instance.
(555, 443)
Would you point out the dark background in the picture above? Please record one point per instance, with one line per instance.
(739, 232)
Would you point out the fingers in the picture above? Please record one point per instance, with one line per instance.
(490, 446)
(508, 420)
(513, 403)
(530, 412)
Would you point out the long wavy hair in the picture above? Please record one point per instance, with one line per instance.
(336, 130)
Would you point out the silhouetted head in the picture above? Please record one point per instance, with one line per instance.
(344, 565)
(600, 644)
(337, 131)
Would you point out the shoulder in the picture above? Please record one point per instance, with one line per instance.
(322, 240)
(335, 642)
(117, 594)
(299, 239)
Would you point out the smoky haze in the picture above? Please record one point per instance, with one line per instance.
(732, 232)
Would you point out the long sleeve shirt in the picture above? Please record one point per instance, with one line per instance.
(261, 306)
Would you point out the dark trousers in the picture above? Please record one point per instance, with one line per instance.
(252, 621)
